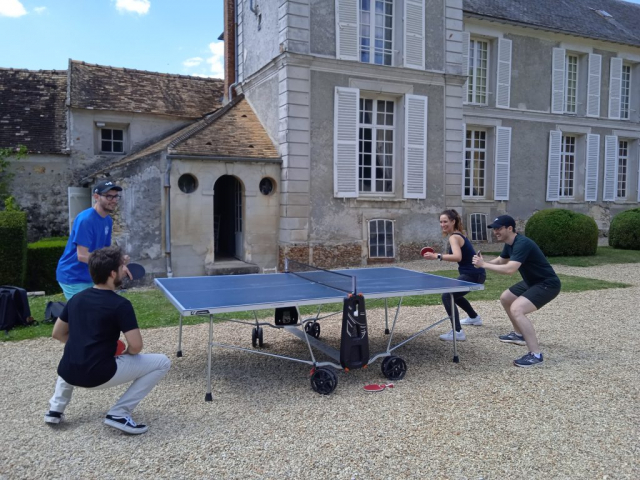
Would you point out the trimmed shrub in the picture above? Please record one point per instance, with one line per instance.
(560, 232)
(13, 248)
(42, 261)
(624, 231)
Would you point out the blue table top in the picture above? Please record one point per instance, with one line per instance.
(235, 293)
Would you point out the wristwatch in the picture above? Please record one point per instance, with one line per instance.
(440, 256)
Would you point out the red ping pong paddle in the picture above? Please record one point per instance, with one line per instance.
(137, 271)
(120, 347)
(377, 387)
(426, 250)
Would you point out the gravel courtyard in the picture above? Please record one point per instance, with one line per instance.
(577, 416)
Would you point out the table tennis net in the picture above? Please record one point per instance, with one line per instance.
(335, 280)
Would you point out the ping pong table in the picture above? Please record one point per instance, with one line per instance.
(213, 295)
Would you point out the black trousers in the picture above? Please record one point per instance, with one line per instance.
(462, 302)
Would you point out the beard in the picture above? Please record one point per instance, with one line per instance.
(117, 282)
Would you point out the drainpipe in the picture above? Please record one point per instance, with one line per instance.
(253, 8)
(167, 212)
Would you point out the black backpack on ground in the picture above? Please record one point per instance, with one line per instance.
(52, 311)
(14, 308)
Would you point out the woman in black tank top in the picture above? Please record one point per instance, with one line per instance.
(460, 250)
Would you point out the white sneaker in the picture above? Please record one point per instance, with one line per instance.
(471, 321)
(448, 337)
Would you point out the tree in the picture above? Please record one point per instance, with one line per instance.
(6, 155)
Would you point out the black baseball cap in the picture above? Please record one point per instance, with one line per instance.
(503, 221)
(104, 186)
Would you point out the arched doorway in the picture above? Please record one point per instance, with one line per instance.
(228, 218)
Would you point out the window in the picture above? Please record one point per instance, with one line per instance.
(567, 166)
(381, 239)
(475, 157)
(571, 84)
(266, 186)
(187, 183)
(623, 161)
(478, 227)
(375, 145)
(625, 89)
(111, 140)
(478, 67)
(376, 31)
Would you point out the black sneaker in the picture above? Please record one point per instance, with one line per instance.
(513, 337)
(53, 418)
(126, 424)
(528, 360)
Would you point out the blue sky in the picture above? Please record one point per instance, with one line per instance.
(170, 36)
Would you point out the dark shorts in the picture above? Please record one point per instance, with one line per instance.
(539, 294)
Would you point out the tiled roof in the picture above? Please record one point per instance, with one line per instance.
(125, 90)
(32, 110)
(574, 17)
(234, 131)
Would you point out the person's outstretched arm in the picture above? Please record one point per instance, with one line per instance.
(61, 331)
(499, 264)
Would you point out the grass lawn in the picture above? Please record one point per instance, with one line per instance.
(154, 310)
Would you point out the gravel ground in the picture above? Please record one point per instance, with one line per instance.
(576, 416)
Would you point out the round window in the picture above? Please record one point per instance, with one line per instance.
(187, 183)
(266, 186)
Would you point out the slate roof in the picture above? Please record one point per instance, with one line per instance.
(32, 110)
(232, 132)
(100, 87)
(574, 17)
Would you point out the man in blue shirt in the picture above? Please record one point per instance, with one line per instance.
(539, 285)
(91, 231)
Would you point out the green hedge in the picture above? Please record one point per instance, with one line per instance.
(624, 232)
(560, 232)
(42, 261)
(13, 248)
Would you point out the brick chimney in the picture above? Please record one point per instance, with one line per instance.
(229, 46)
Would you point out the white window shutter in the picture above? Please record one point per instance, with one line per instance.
(463, 158)
(503, 96)
(345, 142)
(553, 173)
(503, 163)
(557, 81)
(593, 85)
(615, 88)
(414, 34)
(466, 39)
(610, 168)
(415, 143)
(347, 29)
(591, 172)
(638, 159)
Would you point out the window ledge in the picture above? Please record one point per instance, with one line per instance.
(478, 200)
(571, 201)
(379, 198)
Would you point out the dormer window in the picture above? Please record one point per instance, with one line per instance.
(111, 138)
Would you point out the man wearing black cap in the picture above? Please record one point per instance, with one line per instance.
(539, 285)
(91, 231)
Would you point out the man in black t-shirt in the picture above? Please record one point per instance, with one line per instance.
(539, 285)
(90, 327)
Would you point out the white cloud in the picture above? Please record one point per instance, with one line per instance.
(192, 62)
(217, 59)
(140, 7)
(40, 10)
(11, 8)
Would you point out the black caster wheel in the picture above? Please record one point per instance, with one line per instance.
(313, 329)
(260, 339)
(254, 337)
(394, 368)
(179, 354)
(324, 381)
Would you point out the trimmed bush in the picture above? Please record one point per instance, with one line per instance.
(13, 248)
(560, 232)
(42, 261)
(624, 232)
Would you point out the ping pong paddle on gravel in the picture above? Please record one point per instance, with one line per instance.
(377, 387)
(120, 348)
(426, 250)
(137, 271)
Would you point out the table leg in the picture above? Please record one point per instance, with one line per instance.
(453, 328)
(208, 396)
(179, 352)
